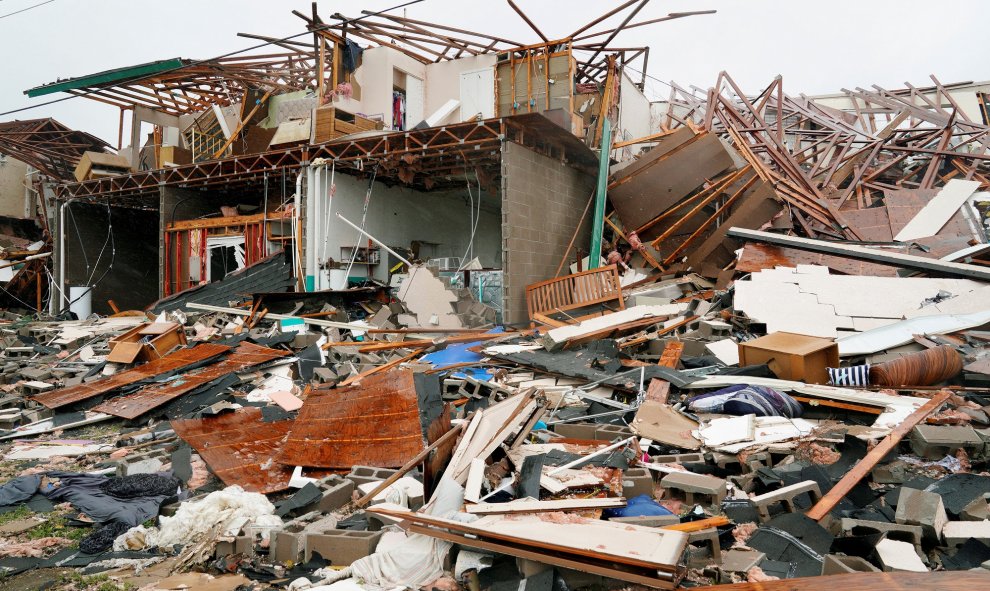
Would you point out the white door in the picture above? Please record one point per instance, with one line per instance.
(478, 94)
(415, 101)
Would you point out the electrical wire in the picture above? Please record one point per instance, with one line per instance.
(212, 59)
(364, 219)
(472, 221)
(26, 9)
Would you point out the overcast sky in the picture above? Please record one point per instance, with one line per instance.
(817, 46)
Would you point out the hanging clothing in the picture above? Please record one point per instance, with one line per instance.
(398, 111)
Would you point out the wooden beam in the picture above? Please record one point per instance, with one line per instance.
(870, 460)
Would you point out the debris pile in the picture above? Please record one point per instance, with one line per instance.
(770, 367)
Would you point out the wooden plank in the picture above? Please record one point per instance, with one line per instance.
(862, 252)
(895, 581)
(864, 466)
(533, 506)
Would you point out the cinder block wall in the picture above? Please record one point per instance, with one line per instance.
(542, 201)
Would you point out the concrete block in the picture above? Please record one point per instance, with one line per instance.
(957, 532)
(709, 538)
(921, 508)
(835, 564)
(288, 546)
(694, 489)
(637, 481)
(612, 432)
(648, 520)
(576, 430)
(786, 496)
(978, 510)
(337, 492)
(244, 545)
(912, 533)
(937, 441)
(342, 546)
(899, 556)
(740, 561)
(679, 459)
(35, 374)
(363, 474)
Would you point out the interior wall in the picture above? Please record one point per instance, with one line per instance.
(443, 82)
(542, 201)
(376, 77)
(132, 256)
(398, 216)
(635, 117)
(12, 179)
(181, 204)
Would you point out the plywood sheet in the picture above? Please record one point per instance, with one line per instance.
(239, 447)
(643, 191)
(375, 424)
(173, 362)
(938, 211)
(151, 397)
(757, 256)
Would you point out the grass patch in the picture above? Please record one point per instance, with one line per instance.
(78, 582)
(58, 526)
(18, 513)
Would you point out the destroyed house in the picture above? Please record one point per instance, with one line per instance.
(451, 147)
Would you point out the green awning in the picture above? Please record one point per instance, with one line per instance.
(106, 77)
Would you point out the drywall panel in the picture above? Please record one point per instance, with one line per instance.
(376, 77)
(443, 82)
(477, 96)
(939, 210)
(13, 177)
(635, 120)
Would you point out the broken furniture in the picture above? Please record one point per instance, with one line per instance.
(792, 356)
(562, 295)
(146, 342)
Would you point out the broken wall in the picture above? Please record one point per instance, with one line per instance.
(542, 201)
(635, 117)
(376, 77)
(132, 255)
(12, 179)
(179, 204)
(399, 215)
(443, 82)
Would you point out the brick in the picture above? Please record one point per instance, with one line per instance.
(921, 508)
(342, 546)
(694, 488)
(937, 441)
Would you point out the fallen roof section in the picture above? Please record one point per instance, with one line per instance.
(238, 447)
(180, 359)
(151, 397)
(373, 423)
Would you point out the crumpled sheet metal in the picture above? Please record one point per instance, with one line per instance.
(239, 448)
(373, 423)
(156, 395)
(172, 362)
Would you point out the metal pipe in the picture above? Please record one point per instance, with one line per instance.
(375, 240)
